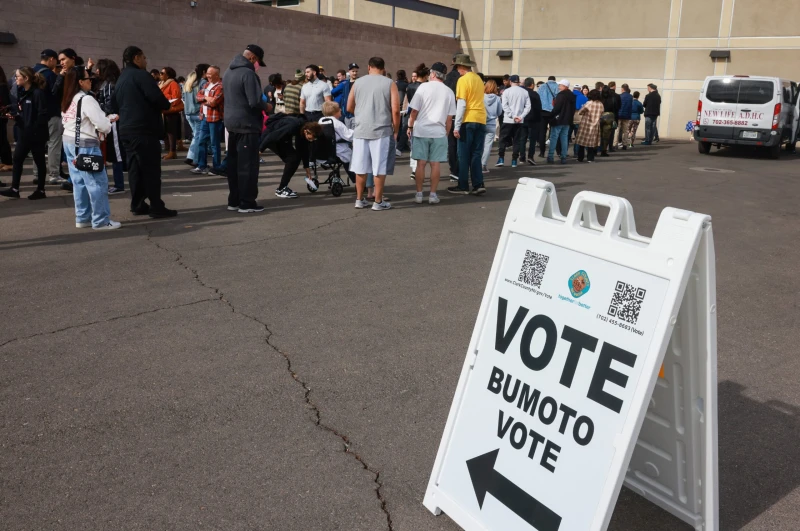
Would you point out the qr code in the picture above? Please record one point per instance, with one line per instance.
(533, 267)
(626, 303)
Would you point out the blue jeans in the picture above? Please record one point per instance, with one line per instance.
(650, 129)
(470, 151)
(119, 175)
(558, 133)
(89, 189)
(194, 123)
(216, 133)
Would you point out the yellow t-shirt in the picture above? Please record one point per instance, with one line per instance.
(470, 89)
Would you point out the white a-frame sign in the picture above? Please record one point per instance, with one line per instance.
(592, 363)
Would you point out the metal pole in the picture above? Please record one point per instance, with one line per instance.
(455, 21)
(393, 12)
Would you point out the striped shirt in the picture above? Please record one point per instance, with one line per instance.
(291, 98)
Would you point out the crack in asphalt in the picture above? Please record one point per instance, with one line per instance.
(310, 404)
(103, 321)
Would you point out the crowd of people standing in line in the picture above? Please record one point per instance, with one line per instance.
(80, 115)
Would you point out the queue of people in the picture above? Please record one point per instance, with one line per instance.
(85, 117)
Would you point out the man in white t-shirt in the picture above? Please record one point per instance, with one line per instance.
(315, 92)
(431, 115)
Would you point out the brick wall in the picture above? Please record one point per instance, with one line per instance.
(172, 33)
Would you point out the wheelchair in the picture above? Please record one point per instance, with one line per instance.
(323, 151)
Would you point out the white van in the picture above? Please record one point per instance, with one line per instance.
(746, 110)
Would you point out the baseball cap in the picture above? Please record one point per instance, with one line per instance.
(576, 85)
(439, 67)
(48, 54)
(258, 51)
(514, 78)
(352, 66)
(564, 82)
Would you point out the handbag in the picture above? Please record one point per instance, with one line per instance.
(84, 162)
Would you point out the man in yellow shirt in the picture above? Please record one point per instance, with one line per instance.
(470, 128)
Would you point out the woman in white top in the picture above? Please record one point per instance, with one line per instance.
(90, 188)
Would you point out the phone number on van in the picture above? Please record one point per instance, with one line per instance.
(730, 122)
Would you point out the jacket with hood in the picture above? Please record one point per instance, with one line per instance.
(243, 101)
(564, 108)
(652, 104)
(139, 103)
(548, 93)
(626, 106)
(636, 110)
(494, 108)
(451, 79)
(280, 128)
(32, 115)
(535, 116)
(580, 99)
(53, 102)
(341, 93)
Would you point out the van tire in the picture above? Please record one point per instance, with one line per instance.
(775, 151)
(704, 147)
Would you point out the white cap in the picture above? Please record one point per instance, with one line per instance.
(564, 82)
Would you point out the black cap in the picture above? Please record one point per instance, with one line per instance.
(49, 54)
(439, 67)
(514, 78)
(352, 66)
(258, 52)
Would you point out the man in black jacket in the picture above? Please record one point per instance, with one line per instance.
(243, 120)
(560, 121)
(139, 102)
(612, 86)
(533, 120)
(652, 110)
(451, 80)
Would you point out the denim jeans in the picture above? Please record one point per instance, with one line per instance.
(487, 144)
(558, 133)
(215, 132)
(90, 189)
(470, 150)
(194, 123)
(119, 175)
(650, 131)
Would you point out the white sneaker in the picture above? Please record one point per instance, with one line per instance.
(83, 225)
(199, 171)
(418, 198)
(547, 142)
(57, 180)
(311, 184)
(397, 152)
(383, 205)
(111, 226)
(362, 203)
(453, 178)
(433, 199)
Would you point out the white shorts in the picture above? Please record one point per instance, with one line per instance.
(370, 156)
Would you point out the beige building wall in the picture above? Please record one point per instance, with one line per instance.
(666, 42)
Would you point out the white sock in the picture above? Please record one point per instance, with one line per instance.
(433, 194)
(419, 194)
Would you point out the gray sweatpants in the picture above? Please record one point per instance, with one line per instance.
(56, 130)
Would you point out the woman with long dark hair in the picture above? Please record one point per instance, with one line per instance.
(607, 119)
(191, 107)
(172, 118)
(109, 74)
(85, 123)
(31, 116)
(6, 160)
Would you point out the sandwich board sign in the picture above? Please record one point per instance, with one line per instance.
(592, 364)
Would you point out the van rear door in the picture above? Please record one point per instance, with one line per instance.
(755, 109)
(719, 108)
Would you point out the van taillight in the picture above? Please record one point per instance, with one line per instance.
(699, 111)
(776, 116)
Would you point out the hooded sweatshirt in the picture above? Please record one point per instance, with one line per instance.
(243, 101)
(548, 93)
(494, 108)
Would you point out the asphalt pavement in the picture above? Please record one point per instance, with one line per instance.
(293, 369)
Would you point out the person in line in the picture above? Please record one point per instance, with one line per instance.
(494, 108)
(430, 118)
(580, 101)
(516, 106)
(636, 115)
(243, 110)
(32, 117)
(624, 116)
(155, 74)
(280, 137)
(612, 87)
(195, 82)
(607, 120)
(561, 121)
(652, 110)
(532, 123)
(172, 116)
(139, 103)
(419, 76)
(84, 121)
(452, 142)
(332, 113)
(375, 103)
(402, 138)
(342, 93)
(547, 93)
(211, 130)
(6, 160)
(46, 68)
(588, 137)
(275, 93)
(314, 93)
(469, 128)
(115, 152)
(291, 94)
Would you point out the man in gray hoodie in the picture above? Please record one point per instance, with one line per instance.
(243, 120)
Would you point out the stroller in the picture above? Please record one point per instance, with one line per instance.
(323, 151)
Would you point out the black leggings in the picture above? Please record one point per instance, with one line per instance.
(37, 147)
(589, 152)
(172, 123)
(291, 160)
(5, 147)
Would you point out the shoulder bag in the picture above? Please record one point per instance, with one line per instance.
(85, 162)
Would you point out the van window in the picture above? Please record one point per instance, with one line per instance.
(756, 92)
(787, 94)
(719, 91)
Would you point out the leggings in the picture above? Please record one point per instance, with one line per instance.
(36, 146)
(172, 123)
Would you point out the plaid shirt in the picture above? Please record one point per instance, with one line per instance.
(212, 113)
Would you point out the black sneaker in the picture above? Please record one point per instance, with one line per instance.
(10, 193)
(285, 193)
(163, 213)
(251, 210)
(458, 191)
(478, 190)
(531, 161)
(188, 162)
(141, 211)
(38, 194)
(218, 171)
(66, 186)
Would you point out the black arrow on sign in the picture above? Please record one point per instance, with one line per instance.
(486, 479)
